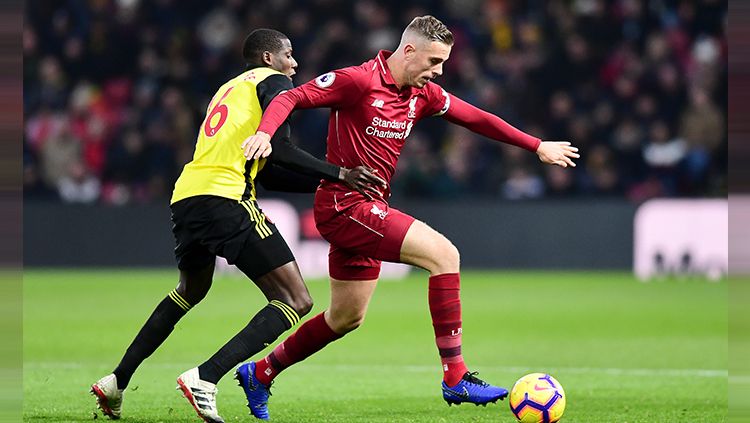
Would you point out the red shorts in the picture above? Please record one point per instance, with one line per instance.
(361, 232)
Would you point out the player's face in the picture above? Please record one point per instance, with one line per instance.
(425, 62)
(283, 61)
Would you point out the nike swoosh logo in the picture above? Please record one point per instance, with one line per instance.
(464, 394)
(537, 388)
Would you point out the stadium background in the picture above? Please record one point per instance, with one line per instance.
(114, 92)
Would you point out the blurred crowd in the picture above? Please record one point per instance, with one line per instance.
(115, 90)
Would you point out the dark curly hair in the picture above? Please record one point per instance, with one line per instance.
(259, 41)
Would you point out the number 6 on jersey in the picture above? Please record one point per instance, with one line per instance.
(222, 110)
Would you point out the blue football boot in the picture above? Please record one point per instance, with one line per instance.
(473, 390)
(257, 393)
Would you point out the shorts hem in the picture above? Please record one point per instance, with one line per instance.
(355, 273)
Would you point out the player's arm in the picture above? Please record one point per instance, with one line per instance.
(306, 167)
(277, 178)
(291, 157)
(285, 154)
(335, 89)
(484, 123)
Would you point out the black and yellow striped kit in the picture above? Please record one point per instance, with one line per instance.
(177, 298)
(219, 167)
(287, 310)
(261, 225)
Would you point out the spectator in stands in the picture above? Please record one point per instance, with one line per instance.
(624, 74)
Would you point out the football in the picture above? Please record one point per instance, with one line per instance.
(537, 398)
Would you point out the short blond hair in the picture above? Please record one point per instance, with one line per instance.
(430, 28)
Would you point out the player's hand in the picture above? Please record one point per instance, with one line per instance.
(257, 146)
(364, 180)
(557, 152)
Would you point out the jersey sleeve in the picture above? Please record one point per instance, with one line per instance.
(284, 152)
(438, 100)
(272, 86)
(484, 123)
(277, 178)
(336, 89)
(267, 90)
(290, 156)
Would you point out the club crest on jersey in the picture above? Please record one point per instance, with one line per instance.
(380, 213)
(325, 80)
(412, 108)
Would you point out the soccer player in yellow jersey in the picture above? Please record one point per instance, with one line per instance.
(215, 213)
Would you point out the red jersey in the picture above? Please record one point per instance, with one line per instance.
(371, 118)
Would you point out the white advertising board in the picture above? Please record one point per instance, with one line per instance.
(681, 237)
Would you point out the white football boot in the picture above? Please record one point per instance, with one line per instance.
(108, 397)
(200, 394)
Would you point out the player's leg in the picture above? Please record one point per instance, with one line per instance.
(354, 236)
(192, 288)
(349, 301)
(247, 239)
(288, 300)
(239, 232)
(426, 248)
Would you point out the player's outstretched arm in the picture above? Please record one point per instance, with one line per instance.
(487, 124)
(477, 120)
(559, 153)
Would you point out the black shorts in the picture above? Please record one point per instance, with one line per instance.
(208, 226)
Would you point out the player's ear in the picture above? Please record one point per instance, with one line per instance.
(409, 50)
(267, 58)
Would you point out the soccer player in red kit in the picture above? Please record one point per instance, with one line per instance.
(374, 107)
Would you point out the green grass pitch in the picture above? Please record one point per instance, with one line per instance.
(624, 351)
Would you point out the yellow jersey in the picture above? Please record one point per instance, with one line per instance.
(219, 167)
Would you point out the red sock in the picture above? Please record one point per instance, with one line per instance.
(310, 338)
(445, 308)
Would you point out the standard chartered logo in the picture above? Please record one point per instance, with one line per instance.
(395, 129)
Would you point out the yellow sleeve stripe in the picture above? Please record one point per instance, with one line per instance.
(260, 220)
(179, 300)
(287, 310)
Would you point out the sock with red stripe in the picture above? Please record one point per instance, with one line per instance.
(445, 309)
(310, 338)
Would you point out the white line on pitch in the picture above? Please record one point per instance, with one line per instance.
(709, 373)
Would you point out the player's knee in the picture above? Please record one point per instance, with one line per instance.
(192, 295)
(348, 323)
(298, 299)
(452, 256)
(445, 258)
(302, 304)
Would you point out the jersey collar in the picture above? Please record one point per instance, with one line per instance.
(382, 65)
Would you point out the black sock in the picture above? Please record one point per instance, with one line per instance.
(270, 322)
(156, 329)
